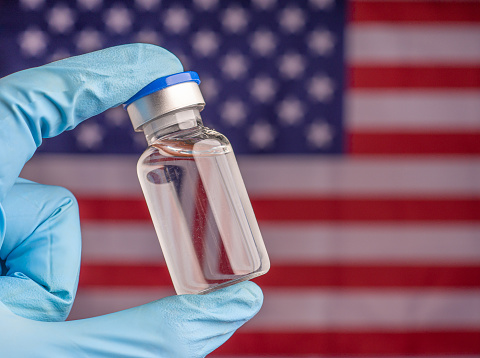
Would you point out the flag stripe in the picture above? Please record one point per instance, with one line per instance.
(401, 176)
(413, 76)
(360, 276)
(392, 44)
(405, 244)
(413, 110)
(315, 309)
(305, 209)
(378, 143)
(340, 343)
(425, 12)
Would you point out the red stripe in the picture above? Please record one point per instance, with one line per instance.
(418, 76)
(307, 209)
(112, 209)
(361, 276)
(337, 209)
(116, 275)
(375, 143)
(414, 11)
(343, 343)
(340, 276)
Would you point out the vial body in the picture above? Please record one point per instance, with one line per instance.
(201, 211)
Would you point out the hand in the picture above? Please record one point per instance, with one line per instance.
(40, 232)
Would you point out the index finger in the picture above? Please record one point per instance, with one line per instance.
(44, 101)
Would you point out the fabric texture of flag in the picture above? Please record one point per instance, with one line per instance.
(357, 130)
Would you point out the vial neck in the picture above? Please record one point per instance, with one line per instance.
(171, 122)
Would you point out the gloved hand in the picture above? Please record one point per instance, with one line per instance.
(40, 232)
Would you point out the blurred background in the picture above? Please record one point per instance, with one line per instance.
(357, 129)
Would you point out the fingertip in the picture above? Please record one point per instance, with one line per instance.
(246, 297)
(144, 60)
(154, 53)
(137, 55)
(252, 287)
(250, 291)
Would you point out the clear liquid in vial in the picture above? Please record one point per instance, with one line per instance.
(201, 211)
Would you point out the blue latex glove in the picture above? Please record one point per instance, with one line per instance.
(40, 232)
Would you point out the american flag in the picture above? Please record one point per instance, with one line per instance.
(357, 129)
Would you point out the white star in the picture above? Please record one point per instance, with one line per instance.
(89, 5)
(291, 65)
(321, 42)
(321, 88)
(61, 19)
(319, 134)
(261, 135)
(209, 88)
(264, 4)
(33, 42)
(89, 135)
(59, 54)
(147, 4)
(290, 111)
(206, 4)
(118, 19)
(233, 112)
(234, 66)
(205, 43)
(89, 40)
(263, 42)
(292, 19)
(323, 4)
(32, 4)
(116, 116)
(148, 36)
(234, 19)
(177, 20)
(263, 89)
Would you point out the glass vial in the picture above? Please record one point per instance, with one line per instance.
(194, 190)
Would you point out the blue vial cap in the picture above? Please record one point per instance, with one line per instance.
(164, 82)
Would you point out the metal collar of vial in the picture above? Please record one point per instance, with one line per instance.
(169, 99)
(184, 119)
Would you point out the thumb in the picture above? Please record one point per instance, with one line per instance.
(177, 326)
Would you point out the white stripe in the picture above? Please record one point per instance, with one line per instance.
(280, 176)
(307, 244)
(384, 43)
(395, 244)
(86, 174)
(309, 176)
(413, 310)
(418, 111)
(120, 242)
(318, 309)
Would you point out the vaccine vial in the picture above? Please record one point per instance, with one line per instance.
(194, 190)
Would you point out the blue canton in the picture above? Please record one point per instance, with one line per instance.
(272, 71)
